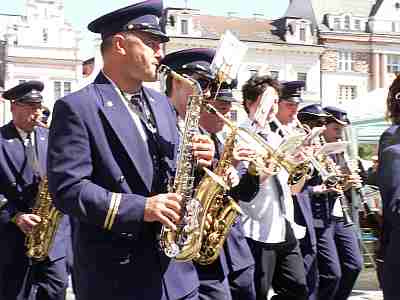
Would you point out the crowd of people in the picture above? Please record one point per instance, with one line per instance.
(110, 157)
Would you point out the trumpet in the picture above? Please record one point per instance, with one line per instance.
(264, 151)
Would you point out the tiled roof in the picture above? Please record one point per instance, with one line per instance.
(246, 29)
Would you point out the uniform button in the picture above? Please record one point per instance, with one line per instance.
(13, 184)
(121, 179)
(127, 235)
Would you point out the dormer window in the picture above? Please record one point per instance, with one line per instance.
(184, 26)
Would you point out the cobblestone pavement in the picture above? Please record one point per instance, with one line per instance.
(365, 289)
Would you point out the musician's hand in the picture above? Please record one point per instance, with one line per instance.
(203, 150)
(242, 153)
(232, 177)
(323, 189)
(270, 168)
(26, 222)
(353, 181)
(163, 208)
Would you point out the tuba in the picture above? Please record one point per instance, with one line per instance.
(183, 243)
(39, 241)
(217, 206)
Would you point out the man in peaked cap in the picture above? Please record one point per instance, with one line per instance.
(339, 255)
(22, 165)
(231, 275)
(310, 116)
(289, 100)
(112, 152)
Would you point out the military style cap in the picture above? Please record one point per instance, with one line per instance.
(225, 92)
(337, 115)
(143, 16)
(189, 61)
(27, 92)
(291, 91)
(313, 110)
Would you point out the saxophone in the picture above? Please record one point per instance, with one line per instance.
(40, 239)
(183, 243)
(217, 206)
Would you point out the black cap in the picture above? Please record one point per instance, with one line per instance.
(291, 91)
(337, 115)
(27, 92)
(225, 92)
(189, 61)
(313, 110)
(143, 16)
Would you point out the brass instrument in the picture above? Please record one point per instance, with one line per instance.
(183, 243)
(217, 206)
(39, 241)
(338, 181)
(295, 170)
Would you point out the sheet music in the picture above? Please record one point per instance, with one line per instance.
(229, 55)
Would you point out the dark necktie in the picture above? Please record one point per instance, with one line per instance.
(216, 145)
(30, 152)
(145, 115)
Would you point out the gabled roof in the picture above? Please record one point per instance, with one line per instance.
(315, 10)
(302, 9)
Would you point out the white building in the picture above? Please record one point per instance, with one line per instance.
(362, 39)
(40, 45)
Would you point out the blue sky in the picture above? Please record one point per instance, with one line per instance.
(81, 12)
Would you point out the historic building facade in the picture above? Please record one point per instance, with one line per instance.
(286, 48)
(361, 38)
(39, 45)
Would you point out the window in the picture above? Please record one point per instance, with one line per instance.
(61, 89)
(184, 26)
(57, 89)
(347, 22)
(357, 24)
(393, 64)
(302, 32)
(336, 23)
(302, 77)
(67, 87)
(347, 92)
(344, 62)
(274, 74)
(21, 81)
(45, 35)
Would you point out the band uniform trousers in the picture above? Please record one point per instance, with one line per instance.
(339, 260)
(281, 267)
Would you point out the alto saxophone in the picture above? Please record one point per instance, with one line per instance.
(182, 243)
(218, 207)
(39, 241)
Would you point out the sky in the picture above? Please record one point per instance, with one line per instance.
(81, 12)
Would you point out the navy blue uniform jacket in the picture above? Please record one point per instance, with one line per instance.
(96, 155)
(19, 186)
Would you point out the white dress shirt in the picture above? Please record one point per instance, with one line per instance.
(264, 218)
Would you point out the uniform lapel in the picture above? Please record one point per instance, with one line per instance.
(14, 150)
(125, 128)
